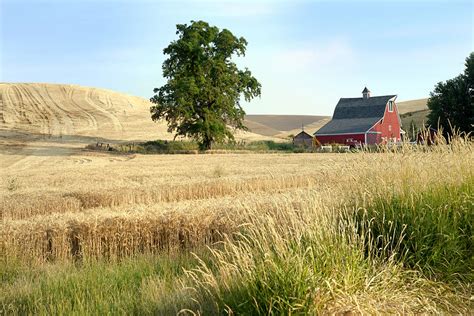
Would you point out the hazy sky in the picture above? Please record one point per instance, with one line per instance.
(306, 54)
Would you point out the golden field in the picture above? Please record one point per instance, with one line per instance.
(97, 195)
(91, 207)
(236, 233)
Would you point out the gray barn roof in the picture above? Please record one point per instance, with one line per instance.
(303, 134)
(355, 115)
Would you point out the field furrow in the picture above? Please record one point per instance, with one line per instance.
(117, 126)
(63, 113)
(82, 110)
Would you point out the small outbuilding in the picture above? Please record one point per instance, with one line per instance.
(303, 139)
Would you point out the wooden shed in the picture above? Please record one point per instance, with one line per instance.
(303, 139)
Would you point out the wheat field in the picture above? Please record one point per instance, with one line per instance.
(69, 195)
(88, 232)
(96, 208)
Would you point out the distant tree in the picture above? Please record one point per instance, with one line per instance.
(469, 71)
(201, 97)
(451, 102)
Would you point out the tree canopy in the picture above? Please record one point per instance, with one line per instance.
(451, 102)
(201, 97)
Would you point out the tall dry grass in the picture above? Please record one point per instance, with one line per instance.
(343, 236)
(327, 258)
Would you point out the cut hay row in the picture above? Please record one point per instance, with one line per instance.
(118, 232)
(22, 206)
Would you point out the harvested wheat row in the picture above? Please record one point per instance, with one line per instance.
(112, 236)
(22, 206)
(113, 233)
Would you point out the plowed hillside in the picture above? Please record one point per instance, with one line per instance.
(412, 106)
(67, 110)
(71, 111)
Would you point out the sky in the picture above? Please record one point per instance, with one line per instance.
(306, 54)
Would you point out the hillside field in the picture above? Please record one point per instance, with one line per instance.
(405, 107)
(88, 232)
(78, 113)
(87, 114)
(413, 112)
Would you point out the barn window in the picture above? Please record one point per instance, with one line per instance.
(390, 106)
(390, 128)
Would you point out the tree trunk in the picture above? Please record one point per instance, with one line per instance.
(206, 143)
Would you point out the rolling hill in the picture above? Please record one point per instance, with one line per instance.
(412, 106)
(414, 111)
(285, 122)
(73, 112)
(283, 126)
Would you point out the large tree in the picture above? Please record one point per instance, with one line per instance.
(451, 103)
(201, 98)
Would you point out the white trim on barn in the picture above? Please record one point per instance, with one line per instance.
(339, 134)
(376, 123)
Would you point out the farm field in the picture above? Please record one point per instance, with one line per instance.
(89, 232)
(405, 107)
(413, 112)
(236, 158)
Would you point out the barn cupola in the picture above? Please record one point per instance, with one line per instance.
(366, 93)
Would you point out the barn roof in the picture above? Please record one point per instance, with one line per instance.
(303, 134)
(355, 115)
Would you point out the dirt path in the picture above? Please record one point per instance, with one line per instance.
(20, 151)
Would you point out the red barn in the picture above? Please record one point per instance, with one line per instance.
(367, 120)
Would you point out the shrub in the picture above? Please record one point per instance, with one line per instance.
(13, 183)
(191, 147)
(167, 146)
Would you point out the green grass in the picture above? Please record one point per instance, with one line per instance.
(430, 230)
(300, 280)
(398, 250)
(141, 285)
